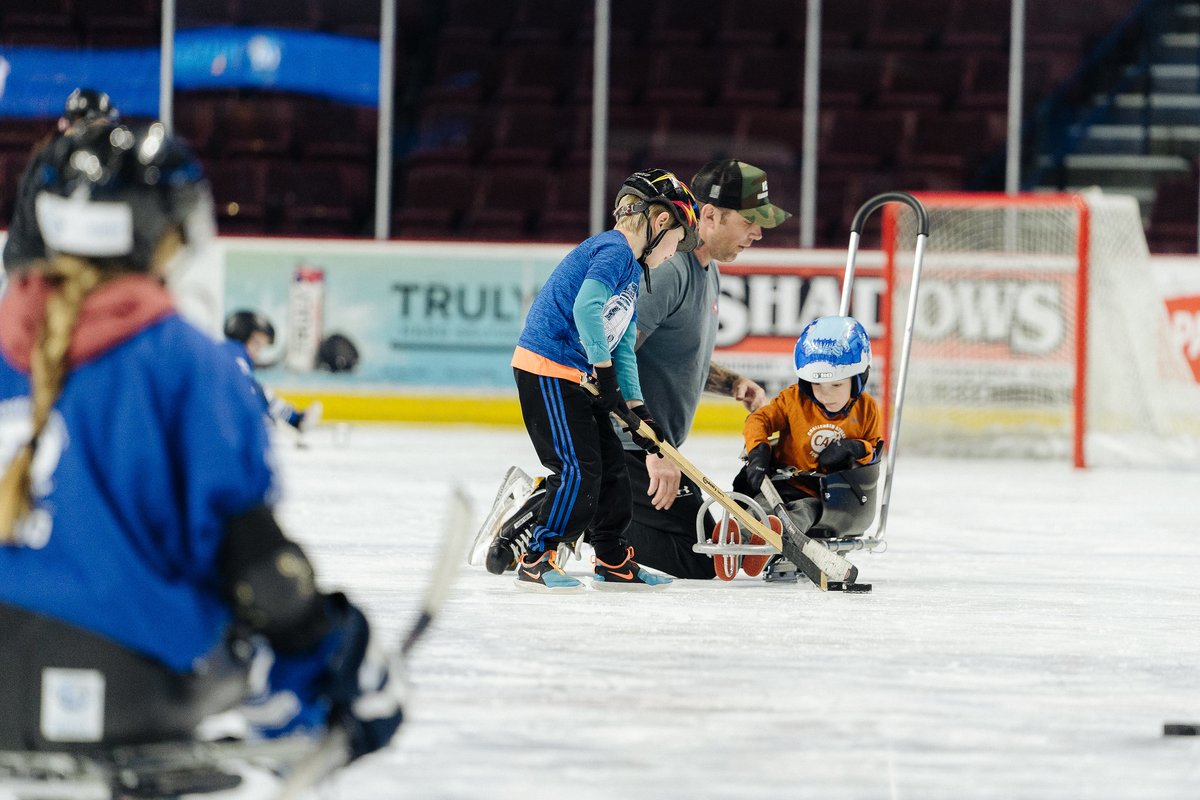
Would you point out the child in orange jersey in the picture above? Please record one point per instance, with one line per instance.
(825, 421)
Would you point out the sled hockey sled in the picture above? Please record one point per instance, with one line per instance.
(849, 499)
(290, 767)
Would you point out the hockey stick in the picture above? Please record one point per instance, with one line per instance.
(820, 564)
(333, 751)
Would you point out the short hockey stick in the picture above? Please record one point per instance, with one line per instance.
(820, 564)
(818, 554)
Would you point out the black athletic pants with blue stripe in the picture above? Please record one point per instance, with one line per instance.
(587, 488)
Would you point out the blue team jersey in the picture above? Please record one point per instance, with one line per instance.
(550, 329)
(152, 447)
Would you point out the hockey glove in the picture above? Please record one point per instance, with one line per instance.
(758, 461)
(365, 686)
(609, 399)
(841, 454)
(643, 414)
(342, 682)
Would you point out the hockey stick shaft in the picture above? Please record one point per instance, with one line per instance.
(844, 570)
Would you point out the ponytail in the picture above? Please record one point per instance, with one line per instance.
(72, 279)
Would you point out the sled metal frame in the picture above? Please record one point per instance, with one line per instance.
(723, 546)
(870, 542)
(876, 541)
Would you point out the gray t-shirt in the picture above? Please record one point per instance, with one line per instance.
(677, 322)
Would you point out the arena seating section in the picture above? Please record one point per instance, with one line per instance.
(493, 105)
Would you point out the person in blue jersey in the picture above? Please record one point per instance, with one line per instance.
(247, 336)
(574, 366)
(140, 559)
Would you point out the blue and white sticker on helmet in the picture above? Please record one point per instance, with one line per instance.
(832, 349)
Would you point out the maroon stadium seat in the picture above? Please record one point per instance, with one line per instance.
(533, 134)
(850, 78)
(922, 80)
(865, 140)
(906, 24)
(763, 79)
(537, 74)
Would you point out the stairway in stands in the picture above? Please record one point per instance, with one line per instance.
(1140, 131)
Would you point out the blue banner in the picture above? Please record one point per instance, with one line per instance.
(34, 81)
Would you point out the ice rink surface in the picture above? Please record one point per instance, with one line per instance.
(1031, 629)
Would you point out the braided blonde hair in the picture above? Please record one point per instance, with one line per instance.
(73, 279)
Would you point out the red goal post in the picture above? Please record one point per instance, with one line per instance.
(1039, 332)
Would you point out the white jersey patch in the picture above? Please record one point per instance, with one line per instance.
(72, 705)
(618, 313)
(823, 435)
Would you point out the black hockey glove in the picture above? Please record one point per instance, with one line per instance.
(841, 454)
(643, 414)
(609, 399)
(758, 461)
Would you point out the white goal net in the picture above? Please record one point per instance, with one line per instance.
(1039, 332)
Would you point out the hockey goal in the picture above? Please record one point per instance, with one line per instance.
(1038, 333)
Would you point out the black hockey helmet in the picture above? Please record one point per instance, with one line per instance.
(113, 192)
(241, 325)
(661, 186)
(337, 354)
(89, 104)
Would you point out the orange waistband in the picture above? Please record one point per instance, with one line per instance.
(540, 365)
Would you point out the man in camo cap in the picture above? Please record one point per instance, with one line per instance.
(677, 330)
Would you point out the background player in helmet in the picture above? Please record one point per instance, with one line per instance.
(84, 109)
(580, 330)
(138, 545)
(825, 421)
(247, 336)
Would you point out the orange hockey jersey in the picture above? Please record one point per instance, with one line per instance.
(804, 430)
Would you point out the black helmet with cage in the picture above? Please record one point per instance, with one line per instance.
(111, 193)
(89, 104)
(241, 325)
(662, 187)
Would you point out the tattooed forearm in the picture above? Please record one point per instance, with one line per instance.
(720, 380)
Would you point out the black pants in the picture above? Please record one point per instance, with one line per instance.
(664, 539)
(143, 699)
(587, 487)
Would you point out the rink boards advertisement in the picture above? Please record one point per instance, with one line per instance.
(430, 317)
(439, 321)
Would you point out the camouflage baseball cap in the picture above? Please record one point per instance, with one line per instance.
(737, 185)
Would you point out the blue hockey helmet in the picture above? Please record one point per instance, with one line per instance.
(833, 349)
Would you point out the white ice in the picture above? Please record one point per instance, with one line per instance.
(1031, 629)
